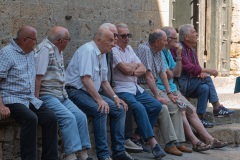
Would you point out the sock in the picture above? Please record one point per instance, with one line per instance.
(83, 155)
(170, 144)
(71, 156)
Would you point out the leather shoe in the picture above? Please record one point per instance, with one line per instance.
(183, 148)
(173, 150)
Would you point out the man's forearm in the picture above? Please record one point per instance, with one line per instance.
(140, 70)
(107, 89)
(177, 70)
(152, 84)
(127, 68)
(164, 80)
(89, 85)
(38, 82)
(1, 101)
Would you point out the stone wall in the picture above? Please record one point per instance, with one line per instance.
(235, 39)
(81, 17)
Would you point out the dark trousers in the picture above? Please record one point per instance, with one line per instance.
(29, 118)
(129, 124)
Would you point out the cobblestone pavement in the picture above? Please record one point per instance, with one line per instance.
(227, 153)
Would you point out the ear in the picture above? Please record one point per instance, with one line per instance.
(24, 40)
(186, 36)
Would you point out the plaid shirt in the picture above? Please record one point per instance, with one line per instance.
(152, 61)
(17, 73)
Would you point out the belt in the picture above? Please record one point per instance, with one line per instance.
(70, 87)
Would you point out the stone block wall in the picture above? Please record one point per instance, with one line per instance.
(10, 140)
(235, 39)
(81, 17)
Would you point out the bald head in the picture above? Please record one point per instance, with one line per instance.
(25, 31)
(155, 35)
(57, 32)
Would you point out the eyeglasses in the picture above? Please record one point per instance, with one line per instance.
(129, 35)
(34, 39)
(172, 38)
(115, 35)
(66, 39)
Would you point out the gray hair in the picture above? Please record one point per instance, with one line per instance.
(107, 26)
(154, 36)
(184, 30)
(57, 32)
(121, 25)
(168, 30)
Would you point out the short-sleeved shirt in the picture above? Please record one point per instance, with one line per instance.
(153, 61)
(169, 64)
(49, 63)
(87, 60)
(125, 83)
(17, 71)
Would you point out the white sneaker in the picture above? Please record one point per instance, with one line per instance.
(132, 147)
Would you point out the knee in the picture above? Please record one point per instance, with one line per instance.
(204, 88)
(164, 109)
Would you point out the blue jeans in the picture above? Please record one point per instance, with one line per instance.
(29, 118)
(117, 119)
(145, 109)
(203, 90)
(72, 121)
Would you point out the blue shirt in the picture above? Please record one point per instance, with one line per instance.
(17, 73)
(169, 64)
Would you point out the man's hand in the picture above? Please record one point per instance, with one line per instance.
(4, 111)
(134, 65)
(178, 49)
(162, 100)
(214, 72)
(118, 101)
(103, 106)
(203, 75)
(172, 97)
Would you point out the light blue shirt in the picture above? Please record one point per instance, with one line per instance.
(87, 60)
(169, 64)
(17, 71)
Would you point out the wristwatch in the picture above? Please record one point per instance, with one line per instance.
(115, 96)
(169, 93)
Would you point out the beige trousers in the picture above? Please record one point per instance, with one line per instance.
(169, 120)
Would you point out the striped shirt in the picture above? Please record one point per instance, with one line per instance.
(153, 61)
(17, 71)
(49, 63)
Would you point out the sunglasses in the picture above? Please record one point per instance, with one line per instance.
(129, 35)
(115, 35)
(172, 38)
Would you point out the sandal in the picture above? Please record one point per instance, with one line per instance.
(217, 144)
(200, 146)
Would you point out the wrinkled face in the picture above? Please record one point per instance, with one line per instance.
(192, 36)
(123, 37)
(106, 42)
(161, 42)
(115, 33)
(30, 41)
(63, 42)
(172, 40)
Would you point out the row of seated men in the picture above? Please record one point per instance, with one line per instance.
(107, 78)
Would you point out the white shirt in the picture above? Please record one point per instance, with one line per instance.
(87, 60)
(125, 83)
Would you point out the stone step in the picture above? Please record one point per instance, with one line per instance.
(235, 118)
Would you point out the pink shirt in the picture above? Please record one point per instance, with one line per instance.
(125, 83)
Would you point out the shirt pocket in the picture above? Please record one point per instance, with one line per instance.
(96, 73)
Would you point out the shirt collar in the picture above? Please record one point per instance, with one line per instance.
(123, 50)
(53, 46)
(98, 52)
(17, 48)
